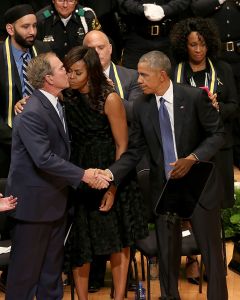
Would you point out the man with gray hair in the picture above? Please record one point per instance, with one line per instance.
(39, 176)
(178, 126)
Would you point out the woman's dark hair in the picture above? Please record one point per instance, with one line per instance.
(205, 27)
(97, 81)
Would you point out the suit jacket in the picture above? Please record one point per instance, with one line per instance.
(40, 172)
(130, 87)
(197, 128)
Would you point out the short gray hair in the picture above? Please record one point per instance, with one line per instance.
(157, 60)
(38, 68)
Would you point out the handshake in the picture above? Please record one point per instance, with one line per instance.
(97, 178)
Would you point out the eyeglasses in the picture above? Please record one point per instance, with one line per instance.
(67, 1)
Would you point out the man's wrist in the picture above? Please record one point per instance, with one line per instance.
(194, 156)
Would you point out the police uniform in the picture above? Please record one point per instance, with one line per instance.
(60, 38)
(226, 16)
(143, 35)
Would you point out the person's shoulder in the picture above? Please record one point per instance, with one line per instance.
(41, 47)
(45, 13)
(83, 11)
(185, 88)
(126, 70)
(87, 13)
(222, 66)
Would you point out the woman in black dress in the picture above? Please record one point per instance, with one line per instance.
(105, 222)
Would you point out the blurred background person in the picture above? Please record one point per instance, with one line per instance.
(196, 47)
(124, 80)
(15, 52)
(148, 24)
(64, 23)
(107, 13)
(226, 14)
(107, 222)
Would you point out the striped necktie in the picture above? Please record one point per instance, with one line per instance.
(167, 137)
(61, 115)
(28, 89)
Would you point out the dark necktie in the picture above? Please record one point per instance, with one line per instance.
(28, 89)
(61, 115)
(167, 137)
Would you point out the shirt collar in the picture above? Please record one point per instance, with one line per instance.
(50, 97)
(107, 71)
(17, 53)
(168, 95)
(65, 20)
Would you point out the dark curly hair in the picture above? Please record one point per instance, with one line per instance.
(97, 81)
(205, 27)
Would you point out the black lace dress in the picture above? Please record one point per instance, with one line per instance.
(95, 232)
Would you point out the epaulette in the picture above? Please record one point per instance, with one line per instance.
(79, 11)
(44, 13)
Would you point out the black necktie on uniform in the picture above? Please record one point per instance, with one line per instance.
(28, 89)
(167, 137)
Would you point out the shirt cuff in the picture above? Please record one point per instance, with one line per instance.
(110, 174)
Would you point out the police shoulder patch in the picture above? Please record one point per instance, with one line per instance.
(80, 12)
(47, 13)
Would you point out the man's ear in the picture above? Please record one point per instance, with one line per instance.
(49, 79)
(10, 29)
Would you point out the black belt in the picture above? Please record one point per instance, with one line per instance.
(152, 31)
(231, 46)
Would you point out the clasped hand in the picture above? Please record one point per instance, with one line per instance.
(7, 203)
(96, 178)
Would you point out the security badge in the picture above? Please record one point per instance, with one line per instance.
(80, 31)
(48, 38)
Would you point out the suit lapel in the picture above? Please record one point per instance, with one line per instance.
(179, 114)
(17, 79)
(54, 117)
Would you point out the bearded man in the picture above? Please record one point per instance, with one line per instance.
(18, 48)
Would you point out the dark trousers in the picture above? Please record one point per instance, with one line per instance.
(206, 228)
(36, 261)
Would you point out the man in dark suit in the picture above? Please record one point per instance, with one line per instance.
(196, 134)
(123, 79)
(21, 27)
(39, 176)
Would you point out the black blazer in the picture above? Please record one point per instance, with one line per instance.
(130, 87)
(198, 129)
(39, 171)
